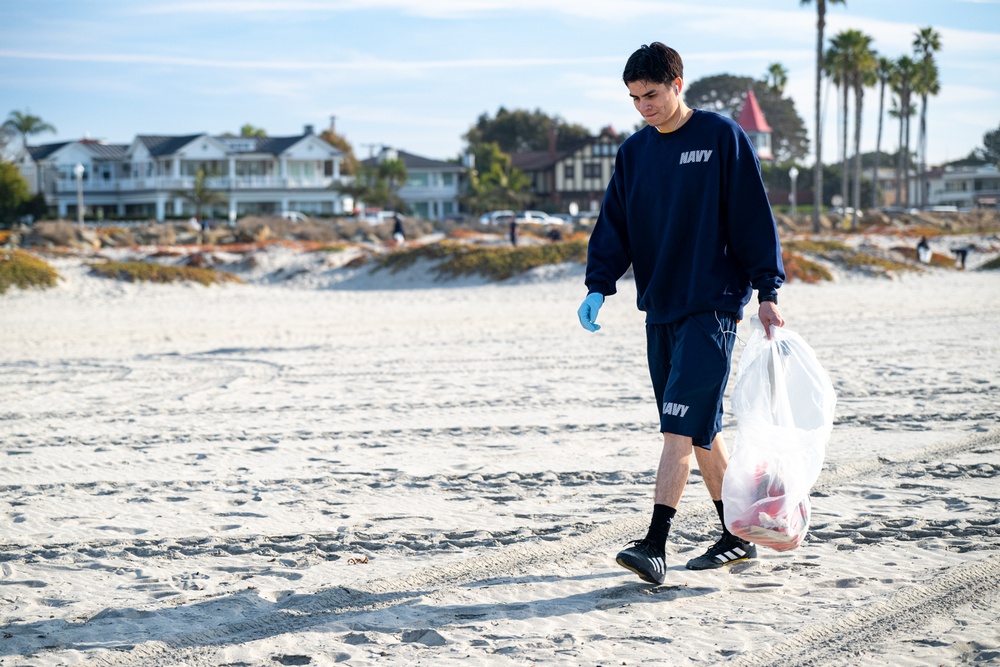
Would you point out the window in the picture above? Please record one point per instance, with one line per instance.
(592, 170)
(568, 172)
(448, 180)
(417, 180)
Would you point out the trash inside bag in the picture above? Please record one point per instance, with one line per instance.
(783, 402)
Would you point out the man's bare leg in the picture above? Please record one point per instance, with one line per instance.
(675, 466)
(646, 557)
(712, 465)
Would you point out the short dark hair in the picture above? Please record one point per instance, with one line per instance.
(657, 63)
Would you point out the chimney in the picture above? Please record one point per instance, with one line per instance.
(333, 124)
(308, 129)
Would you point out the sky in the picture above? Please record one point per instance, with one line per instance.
(417, 74)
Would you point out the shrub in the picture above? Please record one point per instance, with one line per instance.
(991, 265)
(25, 270)
(843, 255)
(814, 246)
(159, 273)
(798, 267)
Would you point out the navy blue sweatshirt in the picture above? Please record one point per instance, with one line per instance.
(688, 211)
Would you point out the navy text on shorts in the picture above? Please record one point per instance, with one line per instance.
(689, 364)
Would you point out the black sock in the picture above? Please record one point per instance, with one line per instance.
(722, 518)
(659, 527)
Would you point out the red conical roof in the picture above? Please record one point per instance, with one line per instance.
(751, 117)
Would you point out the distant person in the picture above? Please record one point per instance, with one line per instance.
(961, 253)
(513, 232)
(686, 209)
(924, 250)
(397, 228)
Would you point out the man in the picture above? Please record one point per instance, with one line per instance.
(686, 208)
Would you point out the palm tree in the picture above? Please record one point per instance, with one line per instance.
(905, 72)
(925, 82)
(837, 64)
(926, 43)
(851, 63)
(23, 125)
(862, 76)
(883, 71)
(777, 79)
(818, 167)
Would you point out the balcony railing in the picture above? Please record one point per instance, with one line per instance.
(168, 184)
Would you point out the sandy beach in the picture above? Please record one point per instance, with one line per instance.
(387, 470)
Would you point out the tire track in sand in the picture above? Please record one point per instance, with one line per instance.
(814, 644)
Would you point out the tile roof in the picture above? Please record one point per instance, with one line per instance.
(158, 145)
(105, 151)
(751, 118)
(41, 152)
(277, 145)
(416, 162)
(536, 160)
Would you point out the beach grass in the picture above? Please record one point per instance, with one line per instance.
(991, 265)
(135, 271)
(851, 259)
(454, 260)
(798, 267)
(22, 269)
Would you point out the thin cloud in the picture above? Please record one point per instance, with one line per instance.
(375, 65)
(442, 9)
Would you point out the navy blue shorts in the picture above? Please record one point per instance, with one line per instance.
(689, 366)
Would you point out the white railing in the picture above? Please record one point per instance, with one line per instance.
(168, 184)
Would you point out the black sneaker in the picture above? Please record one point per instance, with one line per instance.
(729, 549)
(643, 559)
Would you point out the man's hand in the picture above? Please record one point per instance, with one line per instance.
(769, 315)
(588, 311)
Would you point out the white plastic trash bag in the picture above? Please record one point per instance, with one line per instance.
(783, 402)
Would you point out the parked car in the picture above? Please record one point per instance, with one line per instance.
(496, 217)
(294, 216)
(537, 218)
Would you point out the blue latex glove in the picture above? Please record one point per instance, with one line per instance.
(588, 311)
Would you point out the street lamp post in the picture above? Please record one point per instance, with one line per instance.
(793, 173)
(78, 170)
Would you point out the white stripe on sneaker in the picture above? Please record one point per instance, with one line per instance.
(727, 556)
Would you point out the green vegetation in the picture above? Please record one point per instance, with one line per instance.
(843, 255)
(991, 265)
(24, 270)
(454, 260)
(15, 193)
(815, 247)
(798, 267)
(158, 273)
(872, 264)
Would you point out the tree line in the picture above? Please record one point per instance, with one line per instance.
(492, 182)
